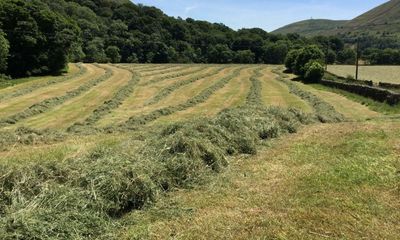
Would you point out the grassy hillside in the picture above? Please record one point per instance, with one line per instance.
(312, 27)
(381, 21)
(384, 18)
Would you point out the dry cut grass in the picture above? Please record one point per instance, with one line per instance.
(332, 181)
(77, 109)
(389, 74)
(20, 103)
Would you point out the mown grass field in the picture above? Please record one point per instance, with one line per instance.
(386, 74)
(137, 151)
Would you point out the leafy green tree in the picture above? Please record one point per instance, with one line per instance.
(221, 53)
(4, 49)
(307, 54)
(314, 71)
(113, 55)
(291, 59)
(330, 57)
(275, 53)
(40, 39)
(347, 56)
(245, 56)
(95, 51)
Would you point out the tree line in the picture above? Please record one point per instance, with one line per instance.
(41, 36)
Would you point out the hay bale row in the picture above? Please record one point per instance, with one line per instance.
(83, 197)
(23, 91)
(50, 103)
(323, 110)
(377, 94)
(165, 92)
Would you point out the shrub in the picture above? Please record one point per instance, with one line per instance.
(314, 72)
(306, 55)
(291, 59)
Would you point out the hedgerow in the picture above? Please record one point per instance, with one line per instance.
(31, 88)
(48, 104)
(118, 98)
(173, 87)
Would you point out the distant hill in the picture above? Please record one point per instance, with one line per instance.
(311, 27)
(382, 20)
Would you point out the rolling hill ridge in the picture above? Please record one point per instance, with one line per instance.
(382, 20)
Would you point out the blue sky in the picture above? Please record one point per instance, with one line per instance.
(269, 14)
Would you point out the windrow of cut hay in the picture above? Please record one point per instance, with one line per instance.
(162, 71)
(82, 70)
(48, 104)
(165, 92)
(118, 98)
(172, 76)
(83, 197)
(323, 110)
(136, 121)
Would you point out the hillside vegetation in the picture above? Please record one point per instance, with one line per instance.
(384, 20)
(312, 27)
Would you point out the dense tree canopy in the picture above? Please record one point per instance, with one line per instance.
(39, 38)
(4, 48)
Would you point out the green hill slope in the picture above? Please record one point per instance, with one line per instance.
(382, 20)
(311, 27)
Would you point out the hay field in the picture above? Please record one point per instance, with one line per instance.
(102, 144)
(388, 74)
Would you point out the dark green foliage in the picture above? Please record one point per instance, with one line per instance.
(245, 57)
(347, 56)
(40, 39)
(330, 57)
(305, 55)
(113, 55)
(290, 60)
(377, 56)
(4, 49)
(314, 72)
